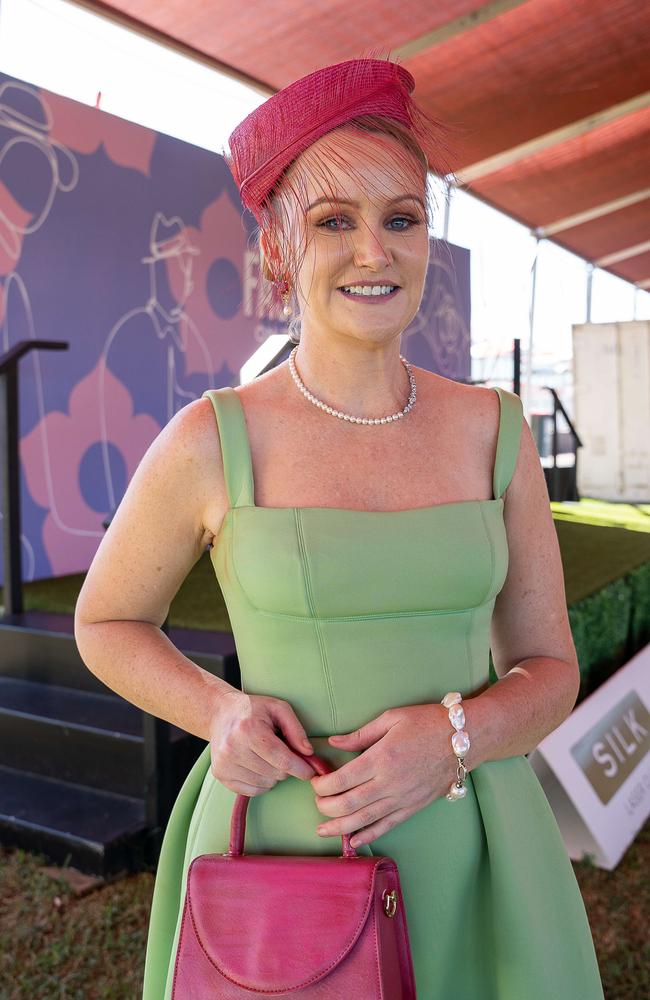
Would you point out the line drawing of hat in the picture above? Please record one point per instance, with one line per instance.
(168, 238)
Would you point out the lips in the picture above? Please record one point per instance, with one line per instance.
(371, 300)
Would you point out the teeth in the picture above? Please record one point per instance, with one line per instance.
(369, 289)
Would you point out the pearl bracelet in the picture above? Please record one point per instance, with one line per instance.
(459, 743)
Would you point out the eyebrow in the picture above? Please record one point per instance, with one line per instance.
(343, 201)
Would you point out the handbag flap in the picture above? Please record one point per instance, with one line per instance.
(277, 922)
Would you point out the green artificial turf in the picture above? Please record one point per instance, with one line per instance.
(600, 542)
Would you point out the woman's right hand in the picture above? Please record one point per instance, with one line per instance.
(247, 756)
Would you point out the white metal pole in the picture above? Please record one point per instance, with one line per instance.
(528, 393)
(590, 289)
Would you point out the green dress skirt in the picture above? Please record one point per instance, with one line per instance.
(344, 614)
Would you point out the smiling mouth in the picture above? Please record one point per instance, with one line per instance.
(369, 297)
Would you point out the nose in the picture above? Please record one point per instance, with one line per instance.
(369, 249)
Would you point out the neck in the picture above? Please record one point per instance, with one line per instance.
(367, 380)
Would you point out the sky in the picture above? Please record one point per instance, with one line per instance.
(76, 53)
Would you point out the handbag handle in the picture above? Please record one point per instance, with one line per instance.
(240, 808)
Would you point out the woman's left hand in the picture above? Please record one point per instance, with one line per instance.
(408, 763)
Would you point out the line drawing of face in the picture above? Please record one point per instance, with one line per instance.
(382, 240)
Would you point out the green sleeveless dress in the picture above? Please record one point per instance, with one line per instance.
(344, 614)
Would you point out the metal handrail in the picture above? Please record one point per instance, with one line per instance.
(559, 407)
(9, 463)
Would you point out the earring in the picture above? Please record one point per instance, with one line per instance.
(283, 288)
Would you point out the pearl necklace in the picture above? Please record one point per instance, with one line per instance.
(346, 416)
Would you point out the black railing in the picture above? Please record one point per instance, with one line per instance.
(554, 489)
(10, 466)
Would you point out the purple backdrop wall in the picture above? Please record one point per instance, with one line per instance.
(133, 246)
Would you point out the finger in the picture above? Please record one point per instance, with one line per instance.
(258, 764)
(348, 803)
(252, 777)
(348, 775)
(365, 736)
(274, 751)
(294, 733)
(369, 833)
(363, 817)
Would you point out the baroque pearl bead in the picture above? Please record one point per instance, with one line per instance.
(451, 698)
(460, 743)
(456, 792)
(457, 716)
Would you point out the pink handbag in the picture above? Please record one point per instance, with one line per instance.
(323, 927)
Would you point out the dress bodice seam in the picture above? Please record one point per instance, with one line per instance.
(371, 617)
(322, 646)
(311, 619)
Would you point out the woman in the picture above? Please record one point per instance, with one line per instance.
(367, 565)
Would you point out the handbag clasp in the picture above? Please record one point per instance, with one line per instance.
(390, 902)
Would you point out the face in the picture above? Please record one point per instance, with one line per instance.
(381, 239)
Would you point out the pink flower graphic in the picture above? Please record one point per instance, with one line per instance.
(52, 454)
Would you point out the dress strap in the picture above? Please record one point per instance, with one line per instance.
(235, 447)
(510, 424)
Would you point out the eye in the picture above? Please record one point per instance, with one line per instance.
(324, 223)
(405, 218)
(399, 218)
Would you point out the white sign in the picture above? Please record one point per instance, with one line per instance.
(611, 408)
(595, 767)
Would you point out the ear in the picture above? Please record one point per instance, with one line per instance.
(265, 256)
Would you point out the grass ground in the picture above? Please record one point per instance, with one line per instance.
(60, 946)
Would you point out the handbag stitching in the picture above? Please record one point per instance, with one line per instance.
(180, 941)
(198, 821)
(380, 991)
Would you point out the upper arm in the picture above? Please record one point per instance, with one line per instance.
(530, 613)
(158, 532)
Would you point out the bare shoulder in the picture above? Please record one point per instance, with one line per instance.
(479, 400)
(159, 529)
(468, 413)
(266, 392)
(475, 410)
(199, 431)
(186, 455)
(191, 441)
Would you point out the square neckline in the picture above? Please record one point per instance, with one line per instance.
(360, 510)
(354, 510)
